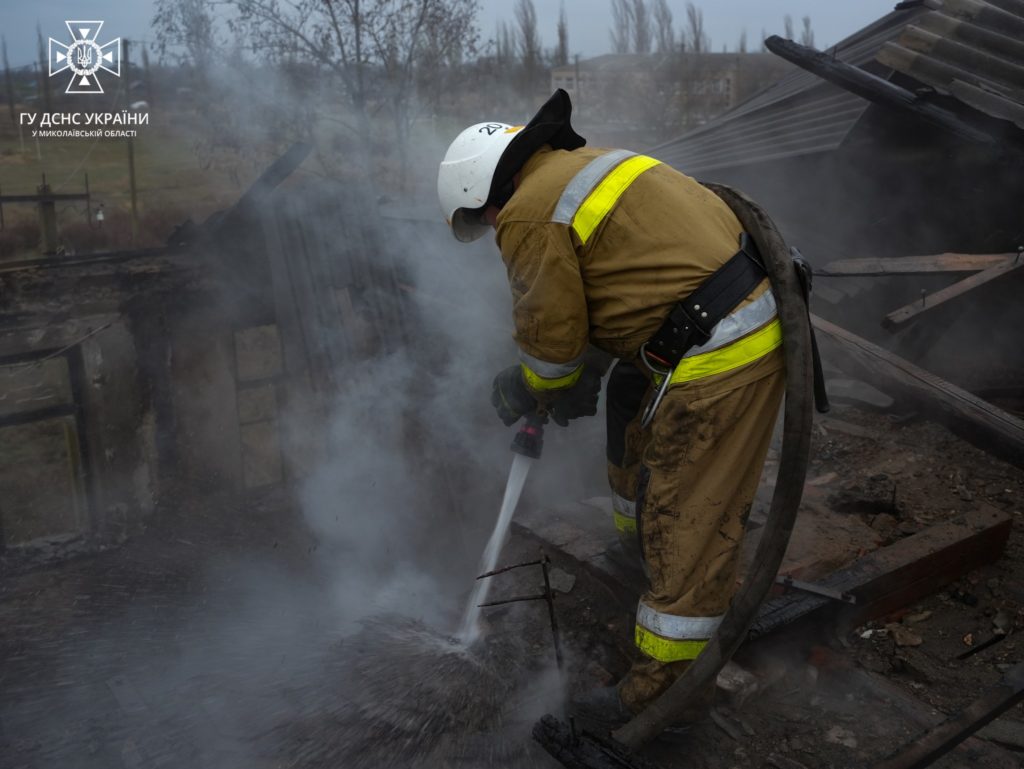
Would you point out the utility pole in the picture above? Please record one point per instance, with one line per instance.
(131, 142)
(147, 76)
(9, 87)
(579, 90)
(44, 78)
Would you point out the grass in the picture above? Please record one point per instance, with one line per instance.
(172, 178)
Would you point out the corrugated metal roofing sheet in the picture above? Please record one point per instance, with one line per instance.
(968, 49)
(799, 115)
(972, 50)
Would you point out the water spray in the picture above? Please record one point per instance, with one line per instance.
(526, 447)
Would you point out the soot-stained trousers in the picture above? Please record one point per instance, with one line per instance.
(599, 245)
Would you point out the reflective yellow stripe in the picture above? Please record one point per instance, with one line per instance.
(604, 197)
(666, 649)
(739, 353)
(625, 524)
(539, 383)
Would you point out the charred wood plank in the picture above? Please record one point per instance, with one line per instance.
(973, 751)
(873, 88)
(900, 574)
(221, 222)
(583, 750)
(979, 421)
(936, 742)
(908, 312)
(913, 265)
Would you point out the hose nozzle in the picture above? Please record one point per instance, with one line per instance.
(529, 441)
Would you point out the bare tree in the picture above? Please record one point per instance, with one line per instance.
(664, 34)
(742, 46)
(697, 40)
(622, 26)
(372, 47)
(642, 34)
(185, 29)
(562, 49)
(504, 45)
(807, 34)
(528, 42)
(788, 27)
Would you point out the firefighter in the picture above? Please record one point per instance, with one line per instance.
(617, 250)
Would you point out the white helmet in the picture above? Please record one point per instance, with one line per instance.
(466, 173)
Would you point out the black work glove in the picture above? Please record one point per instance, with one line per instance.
(580, 400)
(510, 396)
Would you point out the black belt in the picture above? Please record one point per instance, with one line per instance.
(690, 322)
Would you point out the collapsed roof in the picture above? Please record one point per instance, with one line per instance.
(965, 55)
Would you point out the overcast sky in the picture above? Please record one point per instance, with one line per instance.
(724, 20)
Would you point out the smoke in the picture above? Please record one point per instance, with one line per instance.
(214, 637)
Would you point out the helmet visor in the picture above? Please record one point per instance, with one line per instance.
(468, 224)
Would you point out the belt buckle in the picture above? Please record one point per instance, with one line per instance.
(645, 356)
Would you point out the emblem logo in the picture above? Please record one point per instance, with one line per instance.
(85, 57)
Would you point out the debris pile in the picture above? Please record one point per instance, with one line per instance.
(404, 695)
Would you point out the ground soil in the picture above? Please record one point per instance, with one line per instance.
(168, 651)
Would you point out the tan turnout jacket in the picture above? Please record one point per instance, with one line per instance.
(664, 235)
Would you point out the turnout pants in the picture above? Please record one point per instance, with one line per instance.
(682, 490)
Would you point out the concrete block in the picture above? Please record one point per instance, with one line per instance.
(257, 404)
(261, 454)
(581, 530)
(258, 353)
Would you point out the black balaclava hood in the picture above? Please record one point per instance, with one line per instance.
(549, 126)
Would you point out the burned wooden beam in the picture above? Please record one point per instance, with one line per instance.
(582, 750)
(936, 742)
(873, 88)
(900, 574)
(979, 421)
(908, 312)
(222, 222)
(913, 265)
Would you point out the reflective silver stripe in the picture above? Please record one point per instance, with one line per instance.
(623, 506)
(584, 182)
(547, 370)
(677, 628)
(739, 323)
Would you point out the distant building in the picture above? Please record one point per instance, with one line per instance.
(656, 93)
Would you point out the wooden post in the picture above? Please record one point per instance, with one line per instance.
(47, 220)
(88, 202)
(131, 143)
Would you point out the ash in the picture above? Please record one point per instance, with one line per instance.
(400, 694)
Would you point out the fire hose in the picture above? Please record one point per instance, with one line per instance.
(575, 750)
